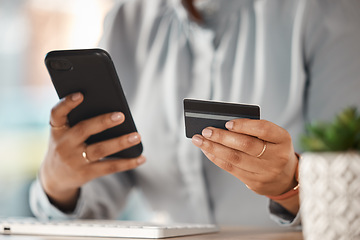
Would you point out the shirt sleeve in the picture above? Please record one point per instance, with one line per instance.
(102, 198)
(283, 217)
(43, 209)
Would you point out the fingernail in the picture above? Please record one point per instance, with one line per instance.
(207, 133)
(133, 137)
(116, 117)
(141, 160)
(229, 125)
(76, 96)
(197, 140)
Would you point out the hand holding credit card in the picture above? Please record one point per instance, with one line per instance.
(257, 152)
(200, 114)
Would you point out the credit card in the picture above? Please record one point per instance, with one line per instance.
(200, 114)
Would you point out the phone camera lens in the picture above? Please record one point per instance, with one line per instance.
(61, 65)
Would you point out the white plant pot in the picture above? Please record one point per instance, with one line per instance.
(330, 195)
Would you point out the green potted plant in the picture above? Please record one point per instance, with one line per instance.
(329, 173)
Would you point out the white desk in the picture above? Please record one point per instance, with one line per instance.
(226, 233)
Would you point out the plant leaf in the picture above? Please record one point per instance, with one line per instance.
(342, 134)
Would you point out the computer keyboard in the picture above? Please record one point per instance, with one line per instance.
(101, 228)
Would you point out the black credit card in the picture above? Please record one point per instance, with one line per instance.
(200, 114)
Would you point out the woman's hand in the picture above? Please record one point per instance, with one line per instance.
(65, 169)
(257, 152)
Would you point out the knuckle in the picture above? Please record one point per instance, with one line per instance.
(287, 136)
(218, 135)
(53, 111)
(112, 167)
(123, 144)
(282, 159)
(227, 166)
(97, 152)
(235, 158)
(264, 128)
(68, 102)
(247, 144)
(79, 129)
(239, 123)
(116, 166)
(208, 145)
(104, 121)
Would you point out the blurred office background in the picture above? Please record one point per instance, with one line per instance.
(28, 30)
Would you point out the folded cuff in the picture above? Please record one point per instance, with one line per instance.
(43, 209)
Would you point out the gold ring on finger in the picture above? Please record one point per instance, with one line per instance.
(84, 155)
(58, 127)
(262, 151)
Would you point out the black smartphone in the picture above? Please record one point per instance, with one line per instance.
(92, 72)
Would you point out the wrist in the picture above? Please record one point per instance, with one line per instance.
(292, 192)
(295, 183)
(290, 199)
(65, 200)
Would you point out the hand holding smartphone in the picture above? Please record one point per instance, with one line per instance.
(92, 72)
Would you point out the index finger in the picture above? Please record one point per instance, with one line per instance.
(262, 129)
(60, 111)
